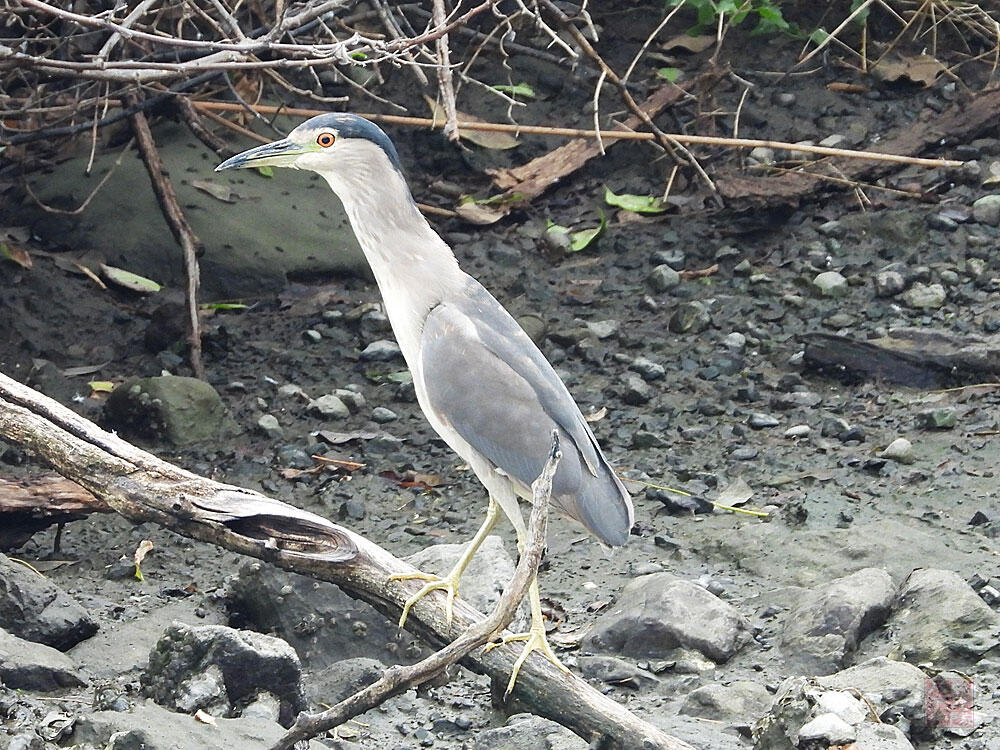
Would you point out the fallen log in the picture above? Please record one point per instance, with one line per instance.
(916, 357)
(29, 505)
(144, 488)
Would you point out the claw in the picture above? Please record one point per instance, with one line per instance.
(448, 584)
(535, 640)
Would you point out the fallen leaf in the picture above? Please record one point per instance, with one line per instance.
(204, 717)
(72, 372)
(101, 386)
(218, 191)
(583, 238)
(597, 416)
(640, 204)
(736, 493)
(699, 273)
(16, 254)
(479, 213)
(922, 69)
(337, 438)
(129, 280)
(90, 274)
(519, 89)
(686, 43)
(495, 141)
(141, 551)
(670, 75)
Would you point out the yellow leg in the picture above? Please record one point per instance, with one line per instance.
(535, 639)
(449, 584)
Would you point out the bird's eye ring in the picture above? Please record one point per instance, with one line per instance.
(326, 139)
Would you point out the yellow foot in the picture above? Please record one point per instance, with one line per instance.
(448, 584)
(535, 640)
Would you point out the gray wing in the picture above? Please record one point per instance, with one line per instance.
(486, 378)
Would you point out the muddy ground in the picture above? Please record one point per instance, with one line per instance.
(833, 505)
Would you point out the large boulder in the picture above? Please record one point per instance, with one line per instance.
(25, 665)
(659, 612)
(177, 409)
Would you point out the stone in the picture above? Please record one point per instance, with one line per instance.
(342, 679)
(381, 415)
(941, 620)
(760, 421)
(329, 407)
(798, 431)
(663, 278)
(147, 726)
(602, 329)
(614, 671)
(689, 317)
(762, 155)
(636, 391)
(647, 369)
(889, 283)
(177, 409)
(249, 663)
(937, 419)
(737, 703)
(873, 736)
(527, 732)
(829, 621)
(485, 578)
(986, 210)
(658, 613)
(899, 450)
(25, 665)
(830, 284)
(268, 424)
(827, 727)
(35, 609)
(925, 296)
(896, 689)
(382, 350)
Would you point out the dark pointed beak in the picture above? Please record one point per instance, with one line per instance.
(281, 153)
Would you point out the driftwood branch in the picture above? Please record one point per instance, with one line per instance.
(399, 679)
(190, 244)
(144, 488)
(29, 505)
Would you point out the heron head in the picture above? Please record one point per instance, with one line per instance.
(326, 144)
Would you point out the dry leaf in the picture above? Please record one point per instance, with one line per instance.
(737, 493)
(922, 69)
(204, 717)
(17, 254)
(223, 193)
(480, 213)
(485, 139)
(141, 551)
(597, 416)
(685, 43)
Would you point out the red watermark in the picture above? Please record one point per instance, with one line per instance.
(948, 702)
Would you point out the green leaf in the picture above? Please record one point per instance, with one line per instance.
(640, 204)
(129, 280)
(819, 36)
(223, 306)
(358, 56)
(101, 386)
(265, 171)
(138, 574)
(669, 74)
(520, 89)
(582, 239)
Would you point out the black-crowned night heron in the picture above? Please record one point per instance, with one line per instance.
(482, 383)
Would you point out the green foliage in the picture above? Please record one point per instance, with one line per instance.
(767, 14)
(639, 204)
(520, 89)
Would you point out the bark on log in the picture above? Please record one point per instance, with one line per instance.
(144, 488)
(28, 506)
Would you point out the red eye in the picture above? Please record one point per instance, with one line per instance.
(326, 139)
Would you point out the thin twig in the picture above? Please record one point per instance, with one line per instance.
(398, 679)
(446, 86)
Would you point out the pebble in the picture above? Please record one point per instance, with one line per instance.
(828, 727)
(832, 229)
(290, 390)
(381, 415)
(329, 407)
(937, 419)
(759, 421)
(648, 369)
(899, 450)
(925, 296)
(762, 155)
(663, 278)
(636, 392)
(382, 350)
(798, 431)
(735, 341)
(942, 223)
(268, 424)
(889, 283)
(352, 399)
(690, 317)
(312, 335)
(830, 284)
(603, 329)
(986, 210)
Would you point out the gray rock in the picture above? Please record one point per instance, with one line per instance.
(329, 407)
(663, 278)
(829, 621)
(889, 283)
(614, 671)
(647, 369)
(636, 391)
(381, 415)
(937, 419)
(738, 703)
(925, 296)
(689, 317)
(382, 350)
(760, 421)
(873, 736)
(830, 284)
(34, 608)
(762, 155)
(268, 424)
(735, 341)
(827, 727)
(896, 689)
(657, 613)
(603, 329)
(25, 665)
(250, 663)
(986, 210)
(342, 679)
(798, 431)
(940, 619)
(353, 399)
(177, 409)
(483, 581)
(527, 732)
(151, 727)
(899, 450)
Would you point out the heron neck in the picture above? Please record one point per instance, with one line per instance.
(414, 268)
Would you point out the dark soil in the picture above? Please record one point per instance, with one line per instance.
(833, 505)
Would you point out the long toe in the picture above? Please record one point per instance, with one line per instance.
(534, 640)
(448, 584)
